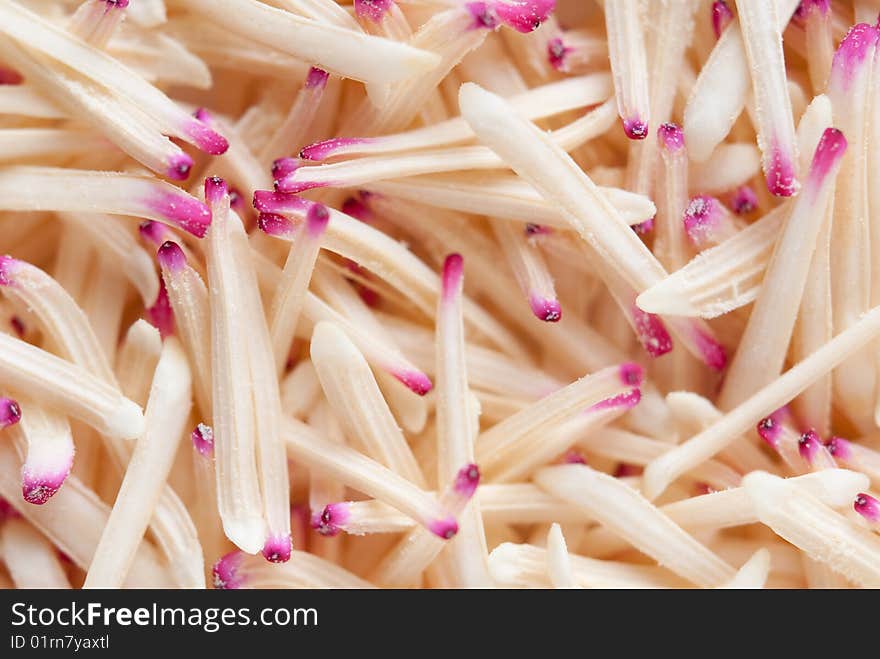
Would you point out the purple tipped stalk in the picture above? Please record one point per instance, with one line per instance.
(854, 51)
(215, 188)
(574, 457)
(868, 507)
(453, 275)
(161, 315)
(807, 7)
(809, 446)
(466, 481)
(703, 218)
(203, 440)
(8, 266)
(37, 489)
(317, 78)
(276, 225)
(781, 177)
(327, 148)
(444, 528)
(10, 76)
(770, 428)
(713, 353)
(627, 400)
(483, 14)
(179, 167)
(7, 511)
(547, 309)
(415, 381)
(557, 53)
(651, 332)
(182, 210)
(171, 257)
(372, 10)
(635, 128)
(831, 148)
(17, 326)
(331, 519)
(317, 219)
(524, 15)
(267, 201)
(744, 200)
(205, 137)
(277, 549)
(671, 137)
(533, 230)
(644, 228)
(154, 232)
(840, 448)
(225, 572)
(281, 167)
(10, 412)
(357, 209)
(632, 374)
(721, 17)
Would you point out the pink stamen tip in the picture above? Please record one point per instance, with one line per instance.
(557, 53)
(868, 507)
(179, 167)
(316, 78)
(275, 225)
(225, 572)
(807, 7)
(444, 528)
(854, 51)
(357, 209)
(317, 219)
(10, 412)
(184, 211)
(236, 201)
(625, 469)
(573, 457)
(17, 326)
(171, 257)
(632, 374)
(721, 17)
(205, 137)
(10, 76)
(326, 148)
(331, 520)
(415, 381)
(372, 10)
(671, 136)
(203, 439)
(215, 189)
(744, 200)
(524, 15)
(713, 353)
(118, 4)
(268, 201)
(781, 178)
(627, 401)
(8, 266)
(37, 489)
(537, 230)
(809, 445)
(840, 448)
(701, 218)
(651, 332)
(277, 549)
(466, 480)
(635, 128)
(831, 148)
(289, 186)
(453, 274)
(161, 315)
(153, 232)
(281, 167)
(644, 228)
(545, 309)
(484, 16)
(769, 429)
(703, 488)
